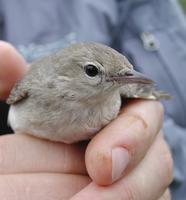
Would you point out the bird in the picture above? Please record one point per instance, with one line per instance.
(70, 95)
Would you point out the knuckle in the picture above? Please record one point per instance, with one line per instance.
(141, 134)
(138, 135)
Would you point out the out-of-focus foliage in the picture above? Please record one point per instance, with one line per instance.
(183, 3)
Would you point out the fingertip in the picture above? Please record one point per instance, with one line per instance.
(5, 89)
(12, 67)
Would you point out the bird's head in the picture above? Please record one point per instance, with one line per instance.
(92, 70)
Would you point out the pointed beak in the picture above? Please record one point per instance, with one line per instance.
(130, 78)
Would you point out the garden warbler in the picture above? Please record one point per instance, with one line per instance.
(70, 95)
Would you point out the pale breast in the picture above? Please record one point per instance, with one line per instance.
(69, 124)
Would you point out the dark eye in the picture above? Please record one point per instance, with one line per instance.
(91, 70)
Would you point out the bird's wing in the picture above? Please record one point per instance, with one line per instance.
(143, 92)
(18, 93)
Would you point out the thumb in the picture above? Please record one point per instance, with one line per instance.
(123, 144)
(12, 68)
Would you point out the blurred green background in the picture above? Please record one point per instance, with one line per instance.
(183, 3)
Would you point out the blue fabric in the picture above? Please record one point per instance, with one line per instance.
(152, 33)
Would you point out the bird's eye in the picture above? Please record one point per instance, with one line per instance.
(91, 70)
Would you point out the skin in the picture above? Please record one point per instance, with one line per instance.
(33, 169)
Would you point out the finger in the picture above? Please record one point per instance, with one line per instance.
(124, 142)
(12, 68)
(41, 186)
(166, 195)
(148, 180)
(25, 154)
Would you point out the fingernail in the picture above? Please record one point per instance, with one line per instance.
(120, 160)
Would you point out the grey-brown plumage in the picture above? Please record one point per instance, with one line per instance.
(71, 95)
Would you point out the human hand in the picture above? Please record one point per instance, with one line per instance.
(37, 169)
(147, 172)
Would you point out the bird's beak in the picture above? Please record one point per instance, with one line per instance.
(129, 78)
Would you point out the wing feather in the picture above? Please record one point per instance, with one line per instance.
(143, 92)
(17, 94)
